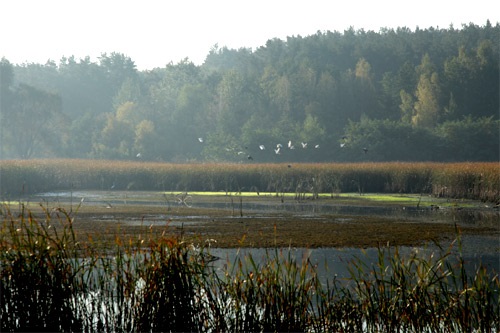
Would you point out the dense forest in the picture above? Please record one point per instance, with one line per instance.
(393, 95)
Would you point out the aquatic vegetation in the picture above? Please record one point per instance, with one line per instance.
(150, 281)
(478, 181)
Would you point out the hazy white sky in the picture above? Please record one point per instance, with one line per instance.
(155, 32)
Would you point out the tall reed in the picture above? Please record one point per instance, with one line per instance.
(425, 293)
(39, 275)
(480, 181)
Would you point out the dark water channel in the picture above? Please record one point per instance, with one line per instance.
(475, 249)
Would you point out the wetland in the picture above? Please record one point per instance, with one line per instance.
(266, 220)
(329, 254)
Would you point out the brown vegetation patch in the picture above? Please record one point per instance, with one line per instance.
(142, 223)
(322, 232)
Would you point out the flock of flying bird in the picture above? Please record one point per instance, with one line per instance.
(279, 147)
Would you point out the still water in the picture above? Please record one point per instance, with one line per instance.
(334, 262)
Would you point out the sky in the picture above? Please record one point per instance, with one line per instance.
(154, 33)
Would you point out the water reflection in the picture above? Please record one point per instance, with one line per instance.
(461, 215)
(334, 262)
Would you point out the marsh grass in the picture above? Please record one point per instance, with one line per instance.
(478, 181)
(273, 295)
(38, 276)
(416, 294)
(49, 281)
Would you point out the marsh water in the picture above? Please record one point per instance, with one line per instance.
(462, 215)
(475, 249)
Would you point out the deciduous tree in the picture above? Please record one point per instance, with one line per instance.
(34, 122)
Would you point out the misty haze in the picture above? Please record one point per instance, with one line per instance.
(395, 95)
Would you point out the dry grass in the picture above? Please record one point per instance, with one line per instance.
(480, 181)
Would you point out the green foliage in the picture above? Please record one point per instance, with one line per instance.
(427, 107)
(472, 77)
(310, 88)
(471, 139)
(33, 122)
(388, 140)
(460, 140)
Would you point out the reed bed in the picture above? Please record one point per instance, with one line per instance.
(51, 281)
(477, 181)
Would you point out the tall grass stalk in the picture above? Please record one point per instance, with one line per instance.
(39, 274)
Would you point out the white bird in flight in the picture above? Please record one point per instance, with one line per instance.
(262, 147)
(200, 139)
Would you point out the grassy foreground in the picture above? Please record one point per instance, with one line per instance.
(50, 281)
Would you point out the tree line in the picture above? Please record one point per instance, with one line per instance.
(393, 95)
